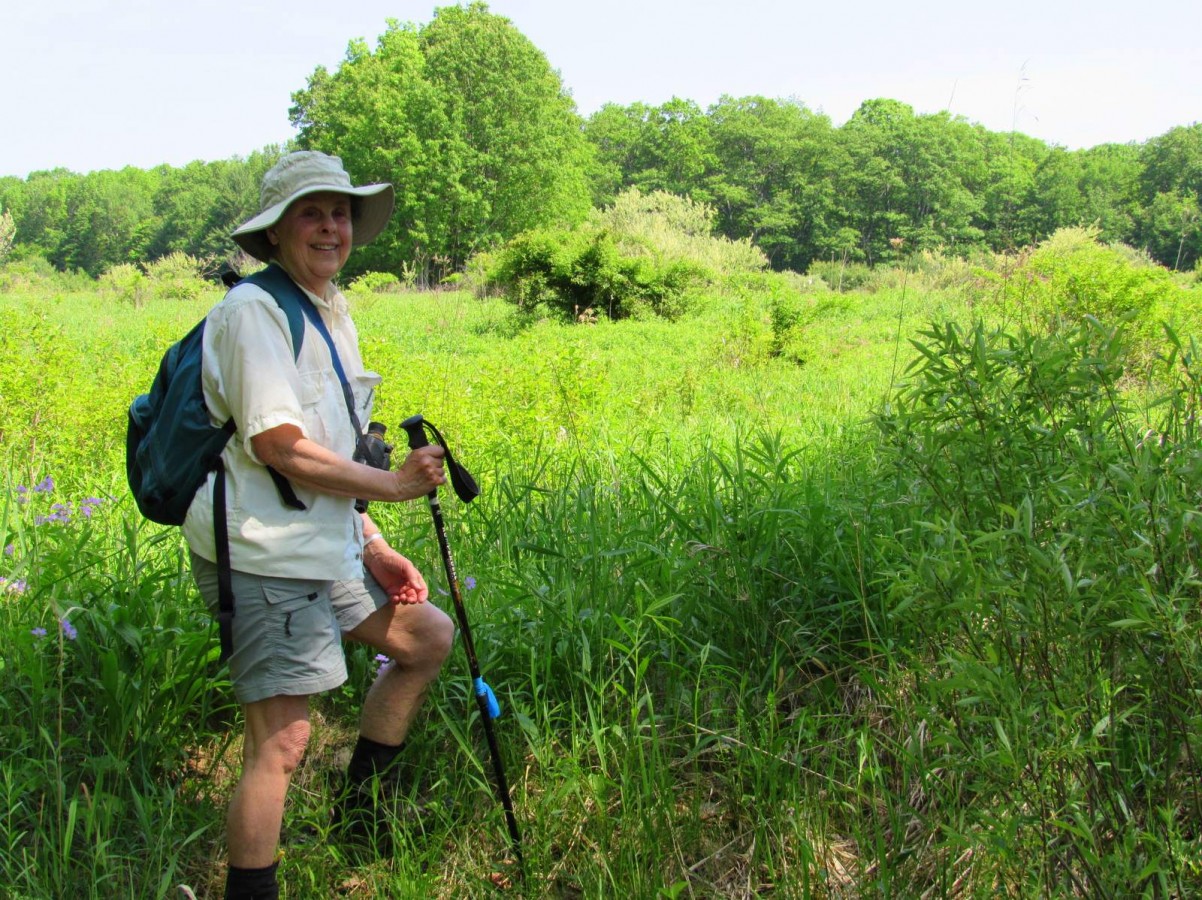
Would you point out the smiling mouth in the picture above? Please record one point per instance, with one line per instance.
(325, 246)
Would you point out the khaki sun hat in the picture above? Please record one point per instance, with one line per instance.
(310, 172)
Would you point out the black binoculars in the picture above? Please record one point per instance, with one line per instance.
(373, 451)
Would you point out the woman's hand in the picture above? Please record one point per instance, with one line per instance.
(399, 577)
(421, 472)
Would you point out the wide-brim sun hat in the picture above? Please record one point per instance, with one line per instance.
(310, 172)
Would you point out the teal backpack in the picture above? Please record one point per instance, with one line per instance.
(171, 445)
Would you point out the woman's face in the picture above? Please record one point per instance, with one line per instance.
(313, 238)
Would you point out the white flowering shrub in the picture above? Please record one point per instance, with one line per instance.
(8, 231)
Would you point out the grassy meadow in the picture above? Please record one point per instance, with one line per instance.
(884, 592)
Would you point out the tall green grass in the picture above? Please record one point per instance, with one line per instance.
(905, 610)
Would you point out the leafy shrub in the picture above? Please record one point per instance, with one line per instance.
(782, 298)
(176, 276)
(375, 283)
(584, 271)
(645, 255)
(26, 269)
(843, 276)
(744, 337)
(8, 231)
(668, 226)
(127, 281)
(930, 270)
(1071, 276)
(1044, 551)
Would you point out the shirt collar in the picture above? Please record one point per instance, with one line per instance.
(333, 300)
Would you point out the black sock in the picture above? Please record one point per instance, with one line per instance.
(252, 884)
(371, 758)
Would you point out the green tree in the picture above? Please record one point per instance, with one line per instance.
(39, 211)
(1011, 161)
(1086, 188)
(109, 220)
(1110, 189)
(1171, 191)
(469, 121)
(197, 206)
(1055, 200)
(773, 178)
(655, 148)
(620, 137)
(903, 186)
(385, 119)
(1172, 229)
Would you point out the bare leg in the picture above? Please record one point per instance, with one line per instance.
(417, 637)
(277, 731)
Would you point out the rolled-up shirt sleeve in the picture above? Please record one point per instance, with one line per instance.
(250, 372)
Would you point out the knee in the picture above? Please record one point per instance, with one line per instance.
(284, 749)
(425, 644)
(442, 637)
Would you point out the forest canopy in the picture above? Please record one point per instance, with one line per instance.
(483, 141)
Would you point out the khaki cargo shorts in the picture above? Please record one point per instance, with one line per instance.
(288, 631)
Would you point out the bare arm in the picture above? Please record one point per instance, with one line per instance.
(307, 463)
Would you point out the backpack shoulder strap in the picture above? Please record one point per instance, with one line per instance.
(293, 301)
(290, 298)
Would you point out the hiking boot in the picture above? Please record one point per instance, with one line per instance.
(362, 818)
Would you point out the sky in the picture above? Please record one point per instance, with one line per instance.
(102, 84)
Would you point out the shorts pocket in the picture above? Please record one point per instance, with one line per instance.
(297, 591)
(299, 615)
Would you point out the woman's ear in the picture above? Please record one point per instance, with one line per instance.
(272, 237)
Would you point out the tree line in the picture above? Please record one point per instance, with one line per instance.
(477, 131)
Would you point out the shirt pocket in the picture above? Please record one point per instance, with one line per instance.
(312, 387)
(364, 388)
(321, 403)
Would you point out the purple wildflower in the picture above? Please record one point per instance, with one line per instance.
(469, 583)
(60, 512)
(9, 549)
(38, 632)
(384, 663)
(68, 629)
(13, 587)
(45, 486)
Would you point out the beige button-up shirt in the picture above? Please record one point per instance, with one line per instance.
(249, 373)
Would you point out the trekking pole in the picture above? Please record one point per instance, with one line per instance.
(415, 429)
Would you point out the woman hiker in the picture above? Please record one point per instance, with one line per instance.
(305, 579)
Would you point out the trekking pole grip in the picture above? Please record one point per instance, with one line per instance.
(415, 431)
